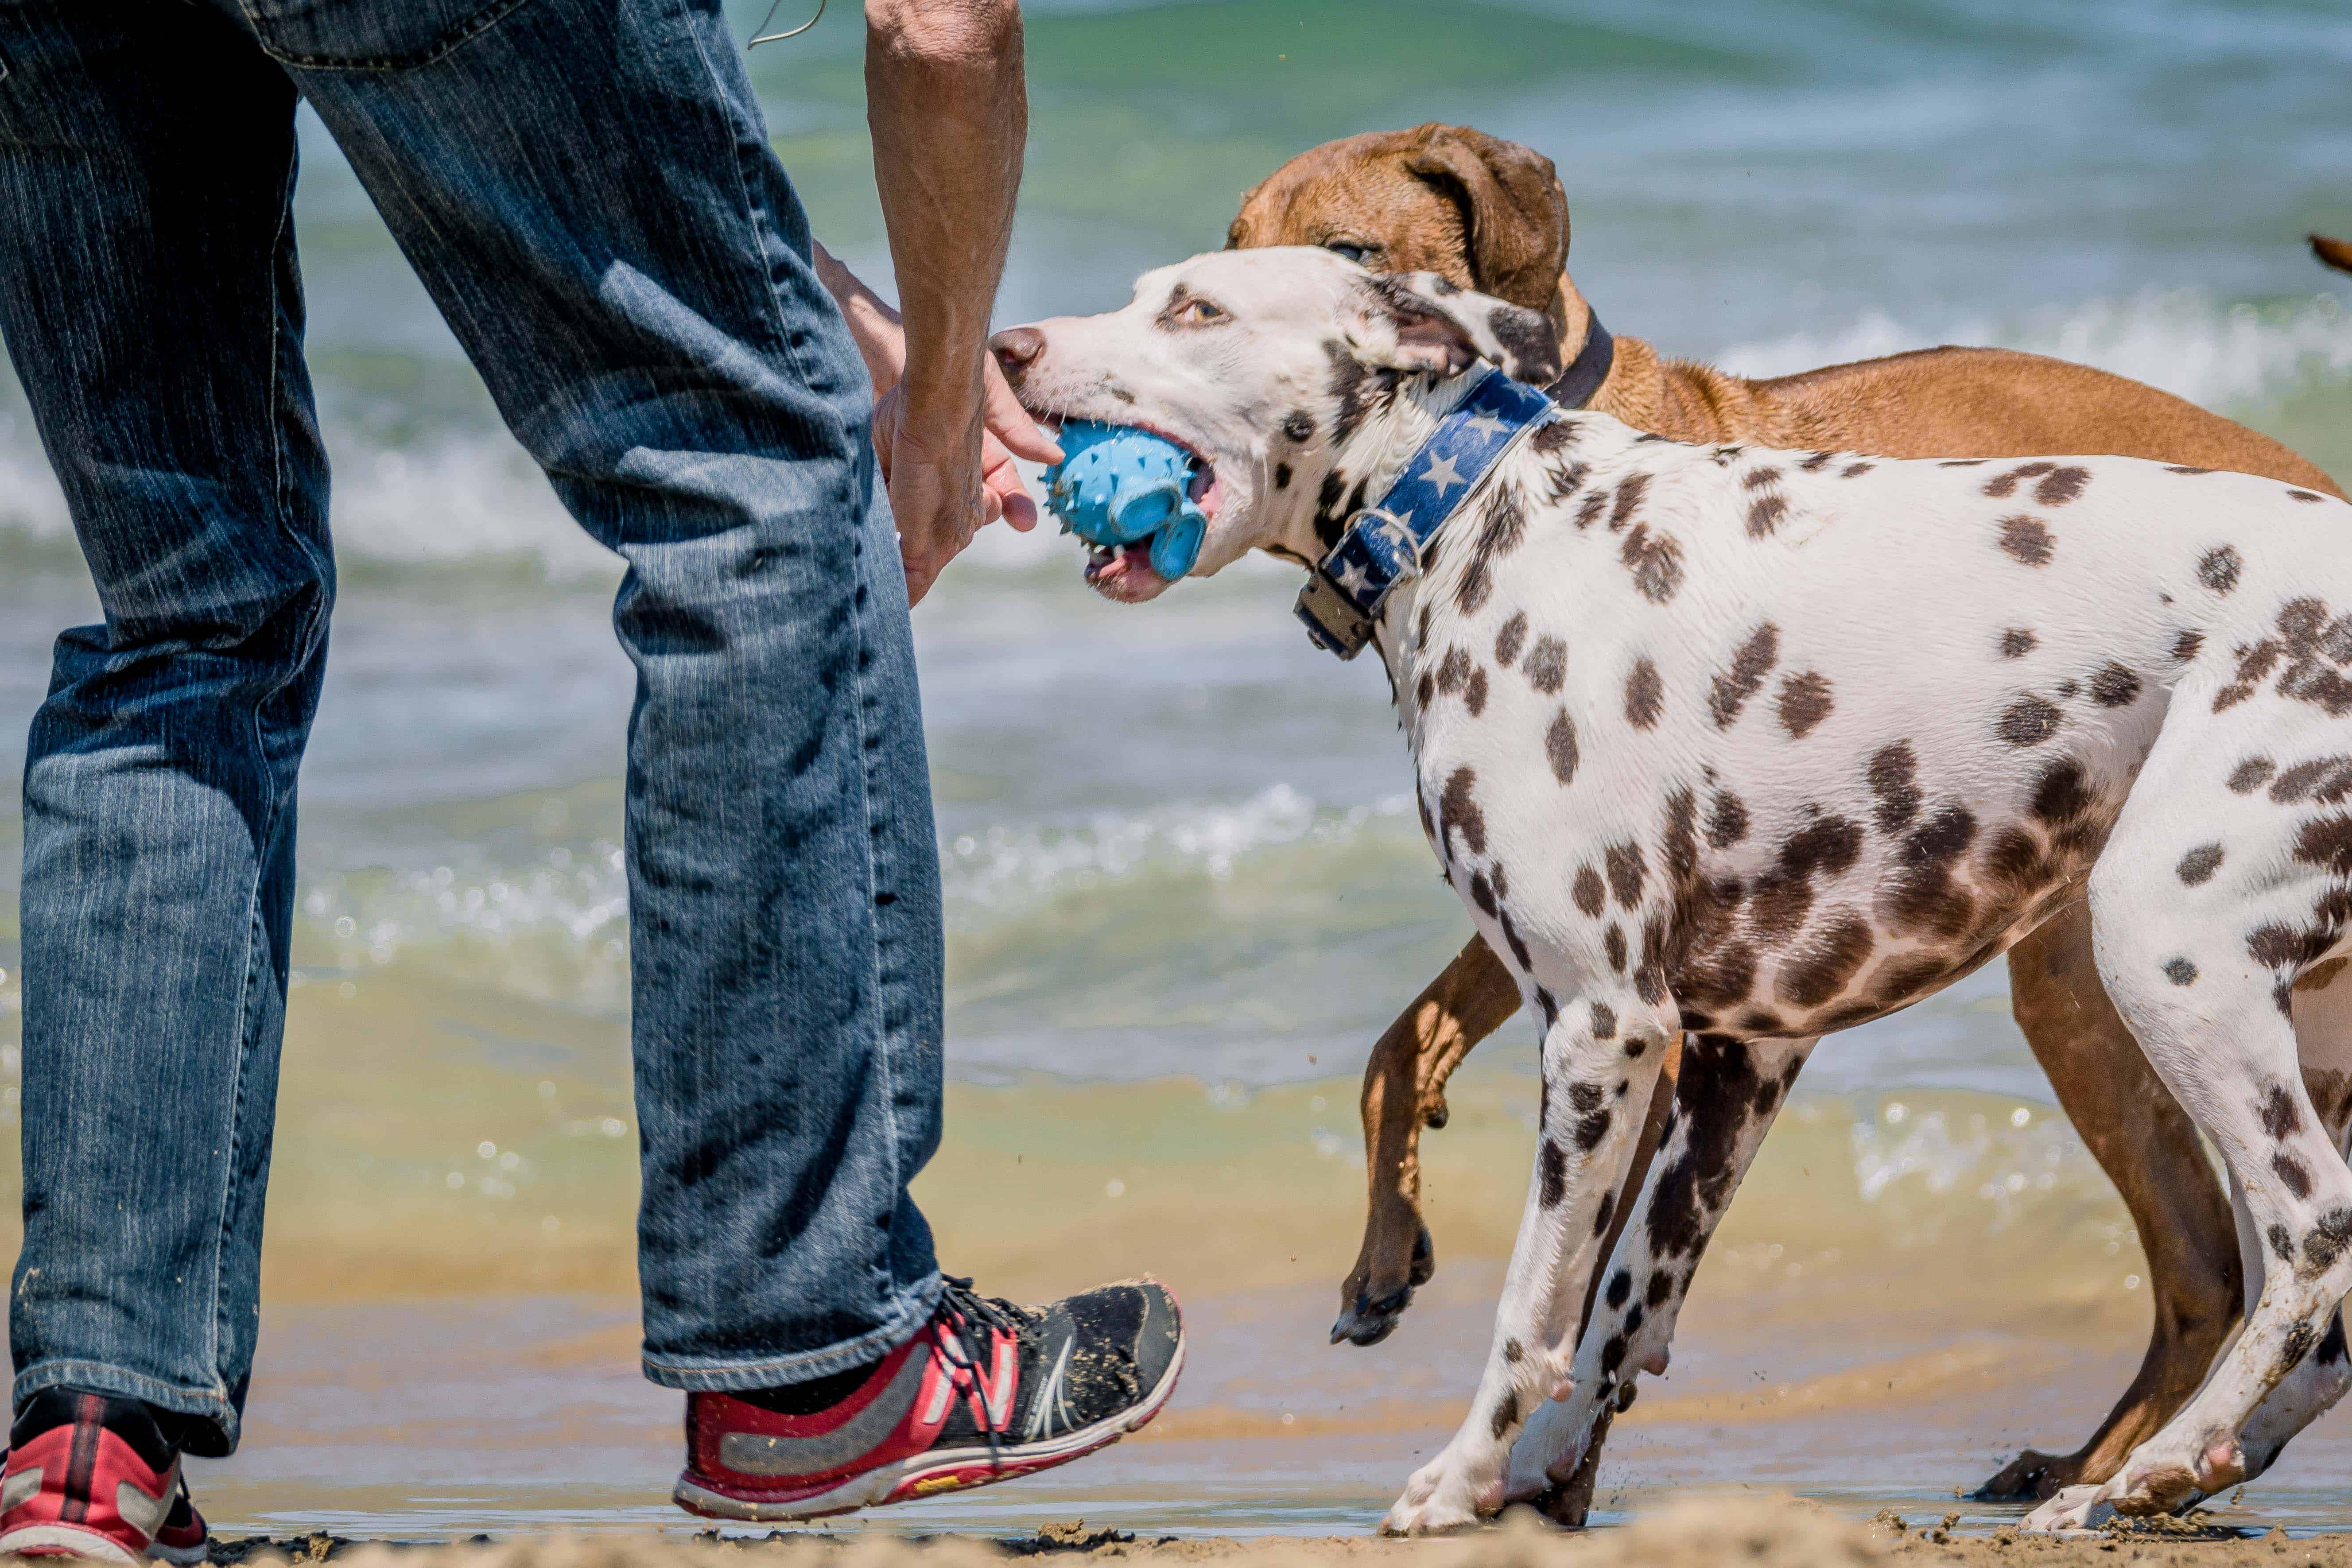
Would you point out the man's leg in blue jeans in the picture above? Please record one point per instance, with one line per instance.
(585, 188)
(588, 193)
(149, 298)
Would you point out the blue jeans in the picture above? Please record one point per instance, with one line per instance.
(586, 188)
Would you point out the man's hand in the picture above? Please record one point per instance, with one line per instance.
(951, 478)
(945, 486)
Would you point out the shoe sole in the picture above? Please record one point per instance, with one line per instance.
(185, 1556)
(64, 1541)
(933, 1474)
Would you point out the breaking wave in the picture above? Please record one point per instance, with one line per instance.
(466, 498)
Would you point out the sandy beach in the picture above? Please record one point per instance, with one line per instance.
(1700, 1532)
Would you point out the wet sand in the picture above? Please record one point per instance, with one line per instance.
(1717, 1531)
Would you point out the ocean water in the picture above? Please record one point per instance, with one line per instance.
(1183, 876)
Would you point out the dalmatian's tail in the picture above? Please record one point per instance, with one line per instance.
(2336, 253)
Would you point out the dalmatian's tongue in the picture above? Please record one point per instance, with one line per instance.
(1126, 574)
(1136, 497)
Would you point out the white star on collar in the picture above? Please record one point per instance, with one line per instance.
(1354, 579)
(1441, 474)
(1484, 423)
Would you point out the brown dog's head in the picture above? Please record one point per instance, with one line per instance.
(1482, 212)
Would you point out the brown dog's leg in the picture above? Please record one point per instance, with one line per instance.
(2146, 1145)
(2336, 253)
(1405, 1090)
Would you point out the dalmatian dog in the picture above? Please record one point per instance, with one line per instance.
(1762, 745)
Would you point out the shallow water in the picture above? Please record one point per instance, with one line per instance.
(1183, 894)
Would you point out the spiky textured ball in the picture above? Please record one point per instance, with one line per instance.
(1117, 486)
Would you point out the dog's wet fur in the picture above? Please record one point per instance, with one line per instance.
(1760, 744)
(1491, 215)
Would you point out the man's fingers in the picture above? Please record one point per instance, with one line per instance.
(1005, 491)
(1011, 423)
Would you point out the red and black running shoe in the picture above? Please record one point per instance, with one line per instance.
(93, 1476)
(183, 1538)
(988, 1391)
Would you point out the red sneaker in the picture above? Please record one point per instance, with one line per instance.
(183, 1538)
(986, 1391)
(91, 1476)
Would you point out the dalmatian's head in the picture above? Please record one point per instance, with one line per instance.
(1281, 372)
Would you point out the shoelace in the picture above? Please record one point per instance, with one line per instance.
(960, 1307)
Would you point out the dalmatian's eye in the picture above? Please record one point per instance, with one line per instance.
(1197, 311)
(1348, 249)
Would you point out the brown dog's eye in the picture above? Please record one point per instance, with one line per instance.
(1348, 249)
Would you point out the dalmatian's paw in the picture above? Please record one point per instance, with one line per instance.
(2168, 1475)
(1442, 1497)
(2075, 1508)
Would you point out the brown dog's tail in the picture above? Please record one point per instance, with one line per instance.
(2336, 253)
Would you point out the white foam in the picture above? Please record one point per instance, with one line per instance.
(556, 929)
(1008, 866)
(2183, 341)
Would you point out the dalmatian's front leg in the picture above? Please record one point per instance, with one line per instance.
(1725, 1098)
(1601, 1058)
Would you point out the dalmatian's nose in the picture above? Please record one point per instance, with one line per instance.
(1017, 348)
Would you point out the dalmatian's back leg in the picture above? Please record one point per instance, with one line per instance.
(2208, 904)
(1725, 1098)
(2323, 1031)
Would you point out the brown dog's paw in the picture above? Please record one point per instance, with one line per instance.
(2031, 1476)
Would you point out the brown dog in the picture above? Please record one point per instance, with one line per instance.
(1491, 215)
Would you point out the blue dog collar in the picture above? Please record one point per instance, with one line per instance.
(1383, 543)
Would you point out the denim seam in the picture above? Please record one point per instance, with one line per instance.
(751, 210)
(467, 31)
(910, 1310)
(877, 920)
(256, 943)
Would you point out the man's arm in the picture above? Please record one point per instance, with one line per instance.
(950, 112)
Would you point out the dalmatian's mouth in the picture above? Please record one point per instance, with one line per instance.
(1125, 573)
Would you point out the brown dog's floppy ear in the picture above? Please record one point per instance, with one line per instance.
(1513, 212)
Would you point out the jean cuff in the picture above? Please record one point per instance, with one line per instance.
(909, 1310)
(98, 1377)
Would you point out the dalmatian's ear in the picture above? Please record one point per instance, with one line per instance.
(1418, 321)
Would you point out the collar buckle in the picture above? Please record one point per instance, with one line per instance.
(1332, 621)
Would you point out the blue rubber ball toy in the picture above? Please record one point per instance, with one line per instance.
(1115, 485)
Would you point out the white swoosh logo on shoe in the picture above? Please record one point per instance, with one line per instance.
(21, 1487)
(1049, 1399)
